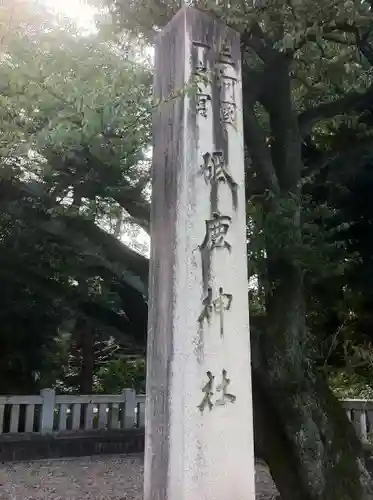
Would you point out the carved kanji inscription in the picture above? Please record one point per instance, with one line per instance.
(228, 107)
(226, 397)
(228, 113)
(228, 88)
(214, 169)
(225, 54)
(208, 391)
(216, 232)
(202, 103)
(221, 304)
(201, 65)
(207, 304)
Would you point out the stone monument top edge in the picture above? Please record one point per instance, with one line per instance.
(187, 11)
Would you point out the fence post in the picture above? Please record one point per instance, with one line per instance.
(129, 396)
(141, 415)
(47, 411)
(363, 426)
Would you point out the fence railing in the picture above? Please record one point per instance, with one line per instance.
(360, 412)
(47, 412)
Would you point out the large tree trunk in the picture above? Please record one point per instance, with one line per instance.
(87, 356)
(301, 431)
(273, 446)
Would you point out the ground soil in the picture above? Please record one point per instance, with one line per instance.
(112, 477)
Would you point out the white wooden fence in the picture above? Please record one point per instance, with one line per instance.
(47, 413)
(360, 412)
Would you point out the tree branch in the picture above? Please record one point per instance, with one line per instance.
(326, 34)
(285, 140)
(303, 80)
(110, 321)
(364, 46)
(86, 239)
(259, 152)
(256, 40)
(128, 197)
(351, 101)
(255, 140)
(329, 159)
(337, 39)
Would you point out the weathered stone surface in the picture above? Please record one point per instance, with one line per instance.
(199, 439)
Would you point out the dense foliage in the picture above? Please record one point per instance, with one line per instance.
(74, 175)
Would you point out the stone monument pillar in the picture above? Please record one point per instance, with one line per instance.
(199, 430)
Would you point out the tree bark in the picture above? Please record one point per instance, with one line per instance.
(273, 446)
(301, 430)
(87, 356)
(327, 465)
(309, 444)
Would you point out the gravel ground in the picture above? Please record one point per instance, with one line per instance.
(95, 478)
